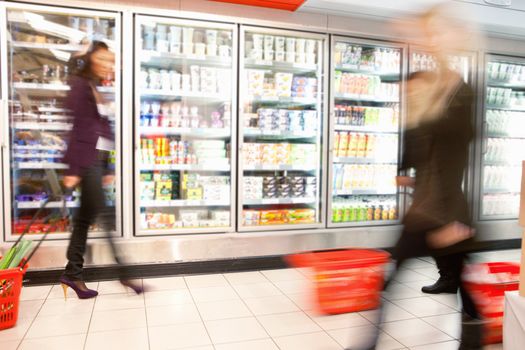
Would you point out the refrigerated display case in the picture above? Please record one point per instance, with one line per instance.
(365, 128)
(185, 126)
(424, 61)
(503, 139)
(41, 41)
(282, 112)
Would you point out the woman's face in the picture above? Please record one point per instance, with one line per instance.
(103, 63)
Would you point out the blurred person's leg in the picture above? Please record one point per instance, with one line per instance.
(84, 218)
(471, 322)
(449, 267)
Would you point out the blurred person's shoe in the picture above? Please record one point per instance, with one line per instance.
(78, 287)
(138, 289)
(471, 333)
(442, 285)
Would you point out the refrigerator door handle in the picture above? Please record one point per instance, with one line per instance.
(4, 133)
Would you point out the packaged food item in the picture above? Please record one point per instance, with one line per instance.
(283, 82)
(163, 190)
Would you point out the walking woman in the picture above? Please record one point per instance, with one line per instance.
(87, 155)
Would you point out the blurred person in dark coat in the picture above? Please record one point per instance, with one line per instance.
(90, 142)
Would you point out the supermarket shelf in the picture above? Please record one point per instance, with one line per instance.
(38, 148)
(507, 108)
(184, 203)
(284, 167)
(47, 46)
(43, 165)
(38, 204)
(364, 223)
(280, 66)
(363, 192)
(39, 155)
(188, 95)
(268, 201)
(385, 75)
(501, 136)
(507, 84)
(277, 134)
(38, 89)
(366, 129)
(500, 191)
(298, 101)
(196, 132)
(365, 98)
(42, 126)
(357, 160)
(166, 60)
(501, 163)
(185, 167)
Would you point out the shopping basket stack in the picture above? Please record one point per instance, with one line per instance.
(487, 283)
(346, 280)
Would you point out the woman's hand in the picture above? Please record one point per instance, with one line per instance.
(108, 180)
(406, 181)
(71, 181)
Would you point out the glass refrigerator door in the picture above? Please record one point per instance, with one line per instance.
(185, 80)
(503, 138)
(422, 61)
(41, 42)
(366, 81)
(282, 101)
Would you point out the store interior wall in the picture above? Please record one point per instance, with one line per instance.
(188, 248)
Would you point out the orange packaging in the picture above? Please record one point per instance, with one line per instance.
(352, 148)
(370, 146)
(336, 143)
(343, 144)
(361, 146)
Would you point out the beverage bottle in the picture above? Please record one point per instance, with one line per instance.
(370, 146)
(347, 212)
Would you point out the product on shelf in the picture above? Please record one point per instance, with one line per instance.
(501, 204)
(357, 209)
(362, 145)
(506, 123)
(259, 187)
(178, 115)
(505, 97)
(381, 118)
(280, 154)
(284, 120)
(199, 79)
(186, 40)
(510, 151)
(373, 59)
(367, 86)
(170, 150)
(278, 217)
(502, 178)
(377, 178)
(198, 218)
(282, 49)
(280, 84)
(426, 62)
(506, 72)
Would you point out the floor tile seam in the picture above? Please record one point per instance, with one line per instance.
(439, 342)
(304, 333)
(437, 300)
(249, 309)
(203, 323)
(260, 272)
(31, 324)
(56, 336)
(146, 313)
(450, 335)
(407, 346)
(331, 337)
(90, 319)
(418, 316)
(243, 341)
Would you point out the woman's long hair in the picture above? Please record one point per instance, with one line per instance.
(81, 65)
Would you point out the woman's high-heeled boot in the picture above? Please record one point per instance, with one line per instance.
(79, 287)
(471, 333)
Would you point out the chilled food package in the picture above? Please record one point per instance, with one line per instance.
(279, 217)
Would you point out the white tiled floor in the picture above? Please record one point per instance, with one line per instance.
(266, 310)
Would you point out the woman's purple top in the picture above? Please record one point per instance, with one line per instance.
(88, 126)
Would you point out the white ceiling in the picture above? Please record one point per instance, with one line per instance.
(504, 20)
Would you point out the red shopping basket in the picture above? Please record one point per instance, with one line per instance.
(346, 280)
(487, 284)
(10, 288)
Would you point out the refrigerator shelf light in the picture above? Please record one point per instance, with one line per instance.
(269, 201)
(366, 129)
(282, 167)
(363, 192)
(360, 160)
(185, 167)
(184, 203)
(41, 165)
(278, 134)
(366, 98)
(35, 88)
(197, 132)
(166, 59)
